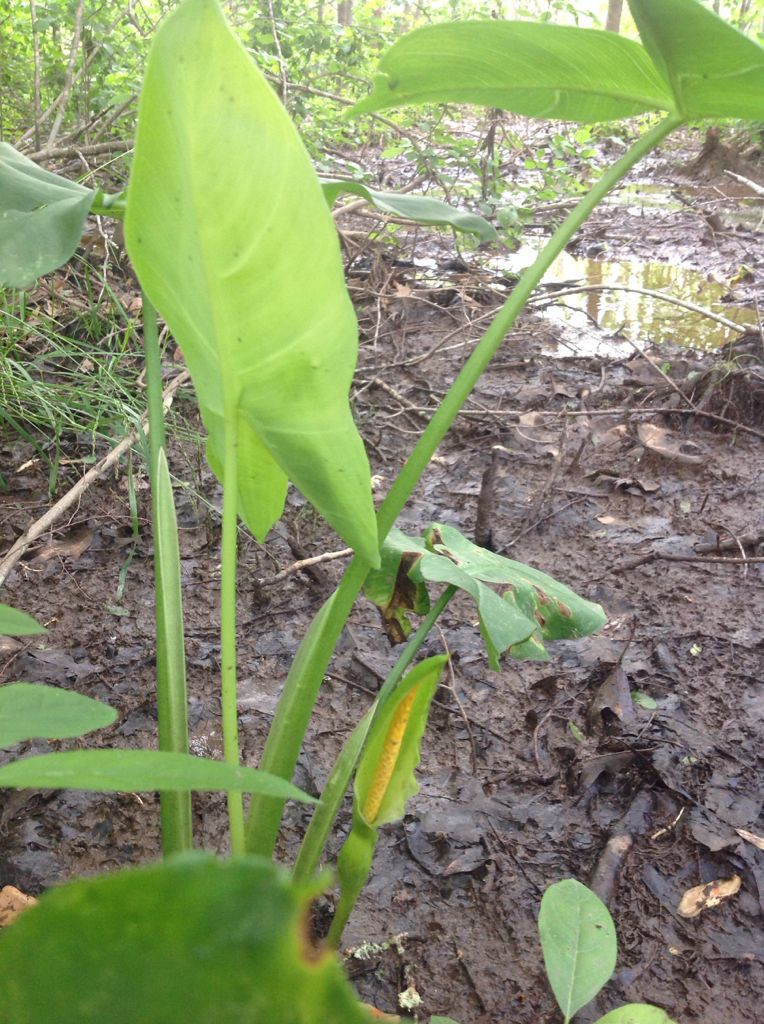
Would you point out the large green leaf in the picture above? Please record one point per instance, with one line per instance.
(636, 1013)
(139, 771)
(195, 940)
(31, 710)
(713, 70)
(385, 779)
(579, 943)
(422, 209)
(538, 70)
(233, 241)
(16, 623)
(41, 218)
(533, 608)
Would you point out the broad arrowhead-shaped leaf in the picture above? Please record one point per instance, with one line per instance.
(31, 710)
(141, 771)
(422, 209)
(538, 70)
(232, 239)
(713, 70)
(196, 940)
(579, 943)
(41, 218)
(534, 607)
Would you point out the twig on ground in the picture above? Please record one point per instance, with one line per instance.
(653, 556)
(73, 495)
(550, 299)
(96, 148)
(752, 185)
(303, 563)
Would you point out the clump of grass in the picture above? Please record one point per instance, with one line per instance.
(71, 367)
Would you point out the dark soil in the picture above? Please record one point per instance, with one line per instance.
(530, 773)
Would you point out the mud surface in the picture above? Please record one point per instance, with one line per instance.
(529, 774)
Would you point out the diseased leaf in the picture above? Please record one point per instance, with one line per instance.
(533, 69)
(17, 623)
(422, 209)
(712, 69)
(579, 944)
(397, 587)
(195, 939)
(41, 218)
(385, 779)
(224, 215)
(533, 608)
(139, 771)
(32, 710)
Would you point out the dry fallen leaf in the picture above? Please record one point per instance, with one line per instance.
(704, 897)
(12, 903)
(663, 442)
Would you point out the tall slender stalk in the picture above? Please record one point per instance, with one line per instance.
(172, 714)
(228, 624)
(304, 680)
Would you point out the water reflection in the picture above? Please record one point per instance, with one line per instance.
(590, 318)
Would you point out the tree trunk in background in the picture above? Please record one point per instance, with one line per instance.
(614, 11)
(345, 12)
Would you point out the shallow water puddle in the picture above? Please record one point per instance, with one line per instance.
(597, 299)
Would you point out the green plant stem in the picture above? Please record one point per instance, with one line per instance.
(339, 779)
(172, 714)
(153, 360)
(228, 625)
(304, 680)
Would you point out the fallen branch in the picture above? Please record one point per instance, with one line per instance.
(73, 495)
(653, 556)
(304, 563)
(752, 185)
(94, 149)
(651, 292)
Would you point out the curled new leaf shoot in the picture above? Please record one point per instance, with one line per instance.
(384, 781)
(389, 758)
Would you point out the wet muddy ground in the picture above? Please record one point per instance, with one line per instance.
(631, 760)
